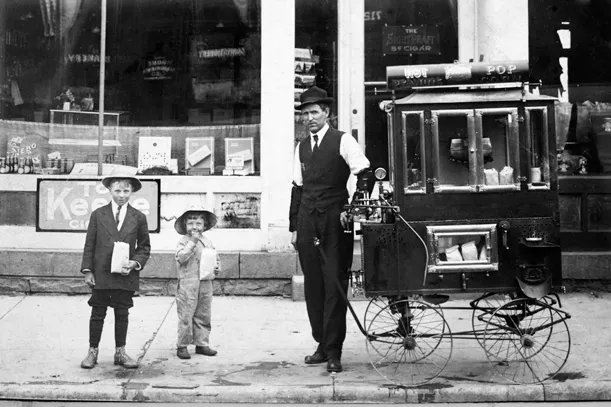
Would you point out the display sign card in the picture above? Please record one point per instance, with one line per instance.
(199, 153)
(410, 39)
(238, 211)
(154, 152)
(27, 146)
(239, 154)
(65, 205)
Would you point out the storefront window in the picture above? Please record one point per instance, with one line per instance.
(174, 71)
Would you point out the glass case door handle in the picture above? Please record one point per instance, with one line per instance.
(504, 225)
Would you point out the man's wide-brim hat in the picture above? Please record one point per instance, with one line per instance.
(314, 95)
(209, 218)
(121, 173)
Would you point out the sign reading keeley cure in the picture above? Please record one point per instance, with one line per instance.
(66, 204)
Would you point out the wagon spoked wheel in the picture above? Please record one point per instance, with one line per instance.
(483, 309)
(376, 304)
(531, 344)
(409, 342)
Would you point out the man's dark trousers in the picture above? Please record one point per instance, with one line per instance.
(325, 304)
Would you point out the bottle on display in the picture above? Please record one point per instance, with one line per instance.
(2, 164)
(10, 164)
(27, 167)
(21, 166)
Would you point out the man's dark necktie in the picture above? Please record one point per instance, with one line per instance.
(315, 149)
(117, 217)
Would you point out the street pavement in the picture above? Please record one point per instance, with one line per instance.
(261, 343)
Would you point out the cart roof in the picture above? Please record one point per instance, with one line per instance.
(437, 96)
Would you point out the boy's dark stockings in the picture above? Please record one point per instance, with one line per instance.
(96, 324)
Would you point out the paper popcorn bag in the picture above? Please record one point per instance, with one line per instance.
(492, 176)
(120, 257)
(453, 254)
(506, 176)
(207, 264)
(469, 251)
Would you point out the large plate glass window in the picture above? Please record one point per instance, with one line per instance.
(454, 147)
(497, 149)
(173, 70)
(413, 151)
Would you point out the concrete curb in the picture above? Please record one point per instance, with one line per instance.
(433, 393)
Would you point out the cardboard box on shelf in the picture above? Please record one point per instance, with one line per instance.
(199, 153)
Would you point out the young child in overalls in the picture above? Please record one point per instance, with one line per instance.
(197, 265)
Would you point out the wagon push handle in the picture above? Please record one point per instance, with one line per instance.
(323, 255)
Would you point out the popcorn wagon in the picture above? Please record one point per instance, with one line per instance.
(470, 206)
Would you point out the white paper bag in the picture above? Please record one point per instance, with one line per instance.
(453, 254)
(483, 253)
(207, 264)
(506, 176)
(469, 251)
(492, 176)
(120, 257)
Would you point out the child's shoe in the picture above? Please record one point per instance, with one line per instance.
(123, 359)
(183, 353)
(92, 358)
(205, 350)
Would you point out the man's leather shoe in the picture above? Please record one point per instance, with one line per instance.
(91, 359)
(183, 353)
(334, 365)
(315, 359)
(205, 350)
(123, 359)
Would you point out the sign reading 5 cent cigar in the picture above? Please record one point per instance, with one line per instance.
(65, 205)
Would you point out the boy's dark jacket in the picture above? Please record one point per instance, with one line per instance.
(102, 234)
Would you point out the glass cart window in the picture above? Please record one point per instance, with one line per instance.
(499, 150)
(413, 139)
(454, 156)
(538, 157)
(455, 248)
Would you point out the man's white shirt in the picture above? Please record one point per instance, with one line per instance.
(349, 149)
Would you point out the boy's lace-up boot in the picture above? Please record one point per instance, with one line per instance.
(123, 359)
(92, 358)
(183, 353)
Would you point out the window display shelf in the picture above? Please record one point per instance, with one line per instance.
(87, 117)
(170, 184)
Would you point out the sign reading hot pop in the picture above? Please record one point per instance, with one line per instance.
(65, 205)
(409, 76)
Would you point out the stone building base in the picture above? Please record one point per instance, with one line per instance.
(243, 273)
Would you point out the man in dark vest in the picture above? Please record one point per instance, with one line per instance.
(323, 163)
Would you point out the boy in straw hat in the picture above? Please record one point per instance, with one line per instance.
(115, 222)
(197, 265)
